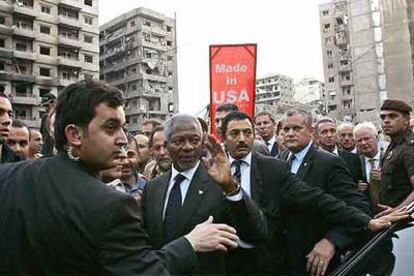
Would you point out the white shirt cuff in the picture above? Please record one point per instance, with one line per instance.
(236, 197)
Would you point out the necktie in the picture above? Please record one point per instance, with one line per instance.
(237, 172)
(372, 163)
(290, 161)
(173, 208)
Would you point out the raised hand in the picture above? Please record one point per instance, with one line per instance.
(209, 236)
(386, 221)
(218, 166)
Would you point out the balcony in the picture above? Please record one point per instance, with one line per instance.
(24, 55)
(345, 82)
(27, 99)
(4, 6)
(71, 62)
(152, 45)
(6, 53)
(155, 78)
(24, 10)
(48, 81)
(158, 31)
(73, 4)
(24, 32)
(23, 77)
(66, 82)
(71, 42)
(71, 22)
(4, 29)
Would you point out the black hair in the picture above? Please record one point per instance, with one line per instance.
(234, 116)
(155, 130)
(227, 107)
(19, 124)
(76, 105)
(203, 124)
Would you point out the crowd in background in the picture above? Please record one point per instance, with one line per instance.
(179, 176)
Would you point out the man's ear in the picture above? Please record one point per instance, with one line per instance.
(73, 135)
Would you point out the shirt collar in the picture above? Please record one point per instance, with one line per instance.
(300, 155)
(271, 141)
(247, 159)
(335, 151)
(188, 174)
(377, 157)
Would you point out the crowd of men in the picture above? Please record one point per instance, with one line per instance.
(267, 197)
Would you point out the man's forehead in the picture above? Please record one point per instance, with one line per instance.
(106, 113)
(327, 125)
(239, 124)
(388, 112)
(19, 131)
(5, 104)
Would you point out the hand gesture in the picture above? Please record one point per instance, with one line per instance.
(208, 236)
(386, 221)
(362, 187)
(375, 175)
(218, 166)
(386, 210)
(319, 257)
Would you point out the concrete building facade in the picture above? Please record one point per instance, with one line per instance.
(380, 44)
(275, 89)
(138, 55)
(45, 46)
(337, 67)
(310, 91)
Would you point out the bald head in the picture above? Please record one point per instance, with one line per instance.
(180, 122)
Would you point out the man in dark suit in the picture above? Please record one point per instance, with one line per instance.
(265, 126)
(366, 138)
(6, 153)
(177, 201)
(310, 239)
(327, 137)
(58, 219)
(271, 184)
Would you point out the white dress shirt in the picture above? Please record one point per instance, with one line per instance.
(368, 168)
(185, 184)
(245, 168)
(299, 158)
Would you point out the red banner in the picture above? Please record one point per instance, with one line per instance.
(232, 78)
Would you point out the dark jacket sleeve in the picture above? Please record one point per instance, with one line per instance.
(292, 190)
(342, 186)
(247, 218)
(124, 247)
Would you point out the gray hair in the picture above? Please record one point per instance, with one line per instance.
(343, 125)
(366, 125)
(179, 118)
(305, 114)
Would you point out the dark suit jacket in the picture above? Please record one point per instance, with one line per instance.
(204, 198)
(8, 155)
(274, 187)
(57, 218)
(353, 164)
(328, 172)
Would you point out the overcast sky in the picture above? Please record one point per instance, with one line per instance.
(286, 32)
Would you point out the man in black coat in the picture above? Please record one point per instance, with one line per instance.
(6, 153)
(58, 219)
(310, 238)
(202, 193)
(271, 184)
(327, 137)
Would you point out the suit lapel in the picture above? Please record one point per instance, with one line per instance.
(159, 202)
(364, 172)
(255, 180)
(306, 163)
(196, 192)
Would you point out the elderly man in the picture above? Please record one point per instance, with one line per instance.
(18, 139)
(327, 137)
(371, 152)
(161, 162)
(397, 170)
(175, 202)
(346, 137)
(59, 219)
(6, 111)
